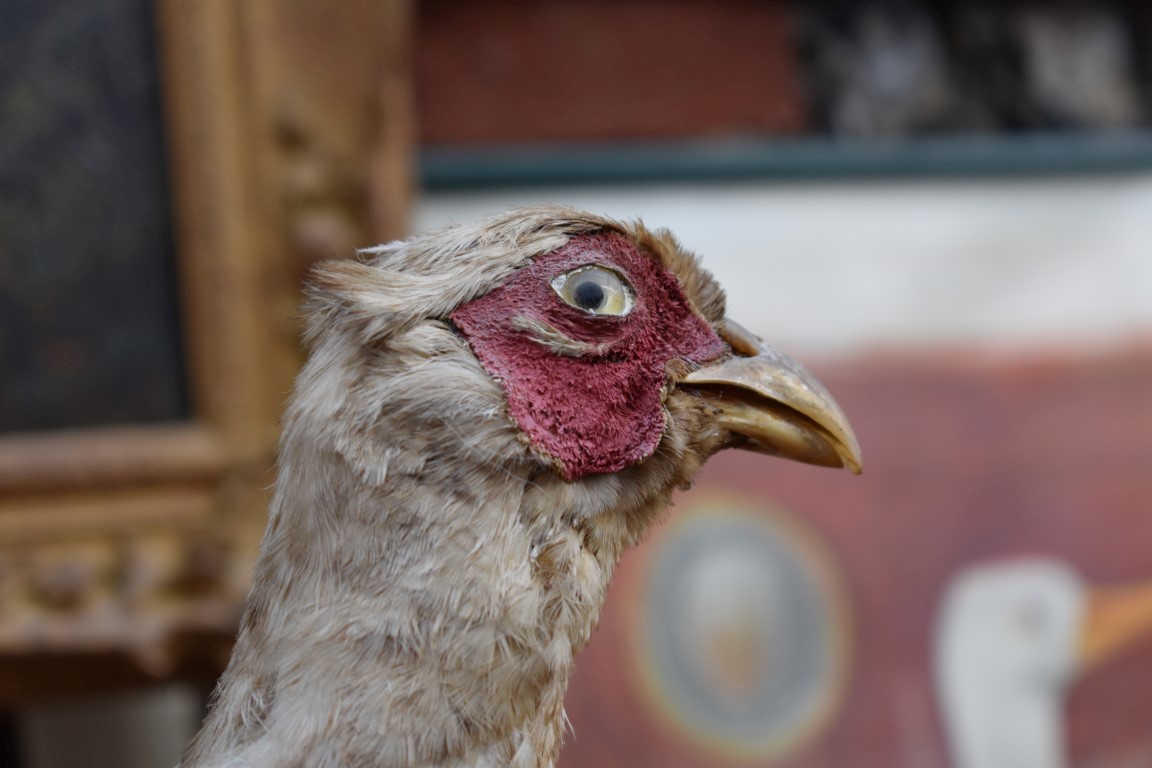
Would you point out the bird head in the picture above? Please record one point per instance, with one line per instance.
(609, 343)
(1035, 623)
(489, 416)
(1011, 637)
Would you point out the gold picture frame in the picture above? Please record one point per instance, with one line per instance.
(124, 551)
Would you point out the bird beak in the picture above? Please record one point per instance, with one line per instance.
(1117, 618)
(774, 405)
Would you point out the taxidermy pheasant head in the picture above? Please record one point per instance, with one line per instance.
(490, 416)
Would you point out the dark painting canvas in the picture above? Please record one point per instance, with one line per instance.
(88, 314)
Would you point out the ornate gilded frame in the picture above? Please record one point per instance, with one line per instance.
(124, 552)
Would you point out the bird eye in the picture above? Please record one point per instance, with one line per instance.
(595, 290)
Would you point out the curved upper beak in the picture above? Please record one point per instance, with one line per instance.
(1117, 617)
(775, 405)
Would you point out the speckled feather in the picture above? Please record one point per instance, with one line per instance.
(426, 576)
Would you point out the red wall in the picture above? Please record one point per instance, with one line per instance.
(539, 70)
(968, 458)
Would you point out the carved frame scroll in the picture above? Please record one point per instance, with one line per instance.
(125, 552)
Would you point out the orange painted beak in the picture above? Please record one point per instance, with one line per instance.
(1117, 618)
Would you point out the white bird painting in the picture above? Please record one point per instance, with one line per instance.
(1011, 638)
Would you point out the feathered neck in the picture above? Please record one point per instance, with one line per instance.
(418, 600)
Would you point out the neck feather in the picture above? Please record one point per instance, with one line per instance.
(424, 579)
(420, 621)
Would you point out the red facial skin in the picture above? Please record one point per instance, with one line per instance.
(602, 411)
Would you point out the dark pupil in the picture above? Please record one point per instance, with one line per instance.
(588, 295)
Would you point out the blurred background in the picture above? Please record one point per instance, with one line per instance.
(943, 208)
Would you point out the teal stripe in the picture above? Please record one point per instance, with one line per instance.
(784, 159)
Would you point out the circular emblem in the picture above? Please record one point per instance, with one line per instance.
(744, 631)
